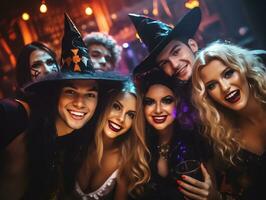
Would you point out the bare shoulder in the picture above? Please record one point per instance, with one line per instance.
(25, 105)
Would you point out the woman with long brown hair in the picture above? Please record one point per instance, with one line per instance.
(116, 162)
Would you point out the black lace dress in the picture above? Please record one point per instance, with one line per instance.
(185, 145)
(246, 180)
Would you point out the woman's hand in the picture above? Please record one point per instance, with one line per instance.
(197, 190)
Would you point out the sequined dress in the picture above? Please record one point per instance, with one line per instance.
(246, 180)
(102, 192)
(185, 145)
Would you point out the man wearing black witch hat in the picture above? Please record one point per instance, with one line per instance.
(171, 50)
(35, 156)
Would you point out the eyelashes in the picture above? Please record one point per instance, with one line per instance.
(168, 100)
(229, 73)
(116, 106)
(148, 101)
(165, 100)
(38, 64)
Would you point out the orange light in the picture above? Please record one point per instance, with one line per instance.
(88, 11)
(114, 16)
(155, 12)
(190, 4)
(25, 16)
(43, 8)
(145, 11)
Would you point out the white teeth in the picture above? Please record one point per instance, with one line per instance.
(231, 95)
(115, 126)
(159, 117)
(77, 113)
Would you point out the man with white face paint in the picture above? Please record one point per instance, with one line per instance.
(103, 50)
(172, 51)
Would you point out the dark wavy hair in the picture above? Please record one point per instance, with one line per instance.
(52, 160)
(23, 74)
(156, 76)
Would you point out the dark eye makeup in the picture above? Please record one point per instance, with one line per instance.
(228, 73)
(168, 99)
(148, 101)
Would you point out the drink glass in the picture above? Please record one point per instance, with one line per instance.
(189, 168)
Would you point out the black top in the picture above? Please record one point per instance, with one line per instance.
(246, 180)
(186, 145)
(14, 120)
(187, 114)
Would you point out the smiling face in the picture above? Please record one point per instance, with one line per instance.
(41, 63)
(101, 57)
(160, 107)
(177, 59)
(121, 115)
(76, 105)
(225, 85)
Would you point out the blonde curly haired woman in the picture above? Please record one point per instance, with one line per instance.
(230, 94)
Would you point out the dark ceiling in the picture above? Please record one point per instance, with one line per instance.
(13, 8)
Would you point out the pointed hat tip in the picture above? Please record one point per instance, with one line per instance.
(69, 24)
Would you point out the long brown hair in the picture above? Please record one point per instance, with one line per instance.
(134, 163)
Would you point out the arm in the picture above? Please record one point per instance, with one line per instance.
(121, 192)
(14, 116)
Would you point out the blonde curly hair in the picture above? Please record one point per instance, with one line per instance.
(219, 122)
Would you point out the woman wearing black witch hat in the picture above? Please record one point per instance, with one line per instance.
(60, 108)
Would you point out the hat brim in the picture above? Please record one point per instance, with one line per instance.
(185, 28)
(52, 79)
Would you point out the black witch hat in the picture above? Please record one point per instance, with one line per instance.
(75, 62)
(156, 35)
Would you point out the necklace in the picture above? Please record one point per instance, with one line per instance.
(163, 151)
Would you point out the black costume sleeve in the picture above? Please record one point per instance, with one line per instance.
(13, 121)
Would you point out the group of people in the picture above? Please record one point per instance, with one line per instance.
(81, 130)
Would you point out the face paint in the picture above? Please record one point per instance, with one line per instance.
(101, 57)
(41, 63)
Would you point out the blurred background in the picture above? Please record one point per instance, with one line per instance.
(23, 21)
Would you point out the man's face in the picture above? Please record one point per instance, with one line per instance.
(76, 105)
(177, 59)
(101, 58)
